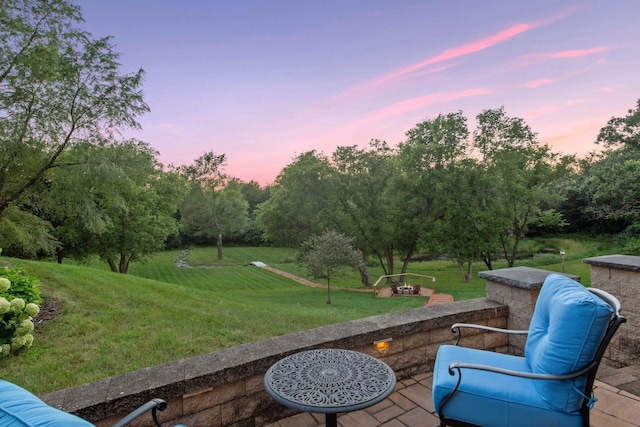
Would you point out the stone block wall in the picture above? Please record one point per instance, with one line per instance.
(620, 276)
(225, 388)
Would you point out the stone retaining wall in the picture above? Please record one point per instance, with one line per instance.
(620, 276)
(225, 388)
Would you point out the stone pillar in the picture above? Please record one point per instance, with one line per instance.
(517, 287)
(620, 276)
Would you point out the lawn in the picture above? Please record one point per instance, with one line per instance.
(111, 323)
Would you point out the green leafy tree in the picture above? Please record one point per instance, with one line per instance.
(428, 160)
(302, 202)
(59, 87)
(127, 210)
(616, 175)
(212, 209)
(521, 174)
(208, 214)
(254, 194)
(326, 254)
(622, 131)
(463, 227)
(366, 201)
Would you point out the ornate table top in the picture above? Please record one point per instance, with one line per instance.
(329, 381)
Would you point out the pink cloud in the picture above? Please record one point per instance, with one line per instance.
(578, 52)
(166, 126)
(412, 104)
(575, 101)
(457, 52)
(539, 82)
(539, 112)
(447, 55)
(610, 89)
(534, 58)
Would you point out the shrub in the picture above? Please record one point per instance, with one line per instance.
(19, 303)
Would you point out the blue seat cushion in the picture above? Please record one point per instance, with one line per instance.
(491, 399)
(20, 408)
(566, 329)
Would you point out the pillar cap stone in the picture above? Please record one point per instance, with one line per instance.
(520, 277)
(621, 262)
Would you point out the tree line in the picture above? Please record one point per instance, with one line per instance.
(71, 187)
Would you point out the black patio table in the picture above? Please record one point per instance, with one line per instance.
(329, 381)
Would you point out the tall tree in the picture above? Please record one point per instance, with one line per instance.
(59, 86)
(324, 255)
(302, 201)
(365, 197)
(622, 131)
(212, 210)
(521, 173)
(428, 160)
(116, 202)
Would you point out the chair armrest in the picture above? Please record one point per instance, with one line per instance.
(153, 405)
(463, 365)
(456, 328)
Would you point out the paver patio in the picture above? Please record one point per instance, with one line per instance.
(411, 405)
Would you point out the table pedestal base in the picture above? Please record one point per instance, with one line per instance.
(331, 420)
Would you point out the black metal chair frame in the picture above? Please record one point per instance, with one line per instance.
(154, 405)
(590, 370)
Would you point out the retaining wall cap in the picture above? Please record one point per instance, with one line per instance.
(521, 277)
(621, 262)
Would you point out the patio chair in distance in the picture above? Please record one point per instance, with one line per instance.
(552, 384)
(394, 290)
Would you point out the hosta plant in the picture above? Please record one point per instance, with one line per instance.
(19, 303)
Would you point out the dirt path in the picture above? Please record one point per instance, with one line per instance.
(294, 277)
(384, 292)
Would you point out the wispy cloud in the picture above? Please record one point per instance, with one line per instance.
(417, 103)
(611, 89)
(535, 58)
(575, 101)
(447, 55)
(539, 112)
(539, 82)
(579, 52)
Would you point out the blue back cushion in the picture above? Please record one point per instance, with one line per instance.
(20, 408)
(566, 329)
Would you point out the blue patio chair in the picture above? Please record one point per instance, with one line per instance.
(552, 385)
(20, 408)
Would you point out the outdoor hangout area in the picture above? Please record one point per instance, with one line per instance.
(410, 360)
(422, 286)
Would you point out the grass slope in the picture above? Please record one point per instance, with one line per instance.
(112, 323)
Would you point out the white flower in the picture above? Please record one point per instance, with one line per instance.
(4, 305)
(26, 327)
(32, 309)
(5, 284)
(17, 305)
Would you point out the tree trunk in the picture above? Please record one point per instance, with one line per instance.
(112, 265)
(388, 254)
(123, 266)
(364, 276)
(220, 246)
(405, 263)
(328, 290)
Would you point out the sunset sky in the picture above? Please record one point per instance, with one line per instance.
(264, 81)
